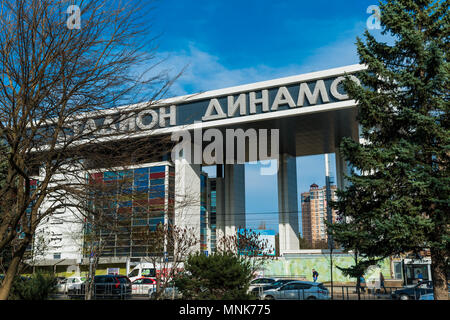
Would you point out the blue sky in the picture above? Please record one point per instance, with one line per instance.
(229, 43)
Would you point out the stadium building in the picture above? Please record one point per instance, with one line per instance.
(301, 115)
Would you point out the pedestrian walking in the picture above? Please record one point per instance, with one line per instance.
(362, 284)
(382, 282)
(315, 275)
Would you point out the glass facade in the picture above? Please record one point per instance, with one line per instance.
(203, 213)
(136, 201)
(213, 214)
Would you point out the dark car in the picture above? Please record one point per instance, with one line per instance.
(278, 283)
(413, 292)
(106, 287)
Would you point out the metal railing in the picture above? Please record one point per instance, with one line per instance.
(102, 291)
(299, 294)
(351, 293)
(342, 293)
(144, 291)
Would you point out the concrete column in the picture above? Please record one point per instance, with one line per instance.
(187, 195)
(234, 198)
(230, 200)
(220, 210)
(288, 203)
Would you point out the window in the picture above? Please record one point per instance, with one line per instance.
(57, 255)
(99, 279)
(293, 286)
(257, 281)
(397, 270)
(147, 281)
(122, 279)
(134, 273)
(148, 272)
(140, 198)
(109, 279)
(301, 286)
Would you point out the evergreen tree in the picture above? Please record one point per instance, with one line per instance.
(220, 276)
(398, 198)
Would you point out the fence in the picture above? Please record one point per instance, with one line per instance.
(313, 292)
(102, 291)
(351, 293)
(338, 293)
(114, 291)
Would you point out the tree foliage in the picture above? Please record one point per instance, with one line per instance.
(55, 83)
(38, 287)
(220, 276)
(398, 197)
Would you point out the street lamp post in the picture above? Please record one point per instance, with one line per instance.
(328, 182)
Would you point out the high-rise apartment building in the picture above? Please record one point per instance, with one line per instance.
(314, 213)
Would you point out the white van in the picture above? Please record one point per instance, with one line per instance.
(148, 270)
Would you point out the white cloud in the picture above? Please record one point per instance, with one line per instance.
(204, 71)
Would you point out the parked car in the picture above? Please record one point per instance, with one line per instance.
(70, 283)
(297, 290)
(260, 282)
(278, 283)
(142, 285)
(413, 292)
(170, 292)
(106, 287)
(430, 296)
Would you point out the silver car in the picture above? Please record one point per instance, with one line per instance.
(297, 290)
(168, 293)
(70, 284)
(259, 283)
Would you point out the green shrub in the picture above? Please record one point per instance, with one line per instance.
(38, 287)
(220, 276)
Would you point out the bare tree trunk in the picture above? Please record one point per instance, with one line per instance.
(358, 288)
(52, 79)
(12, 270)
(439, 274)
(89, 281)
(90, 284)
